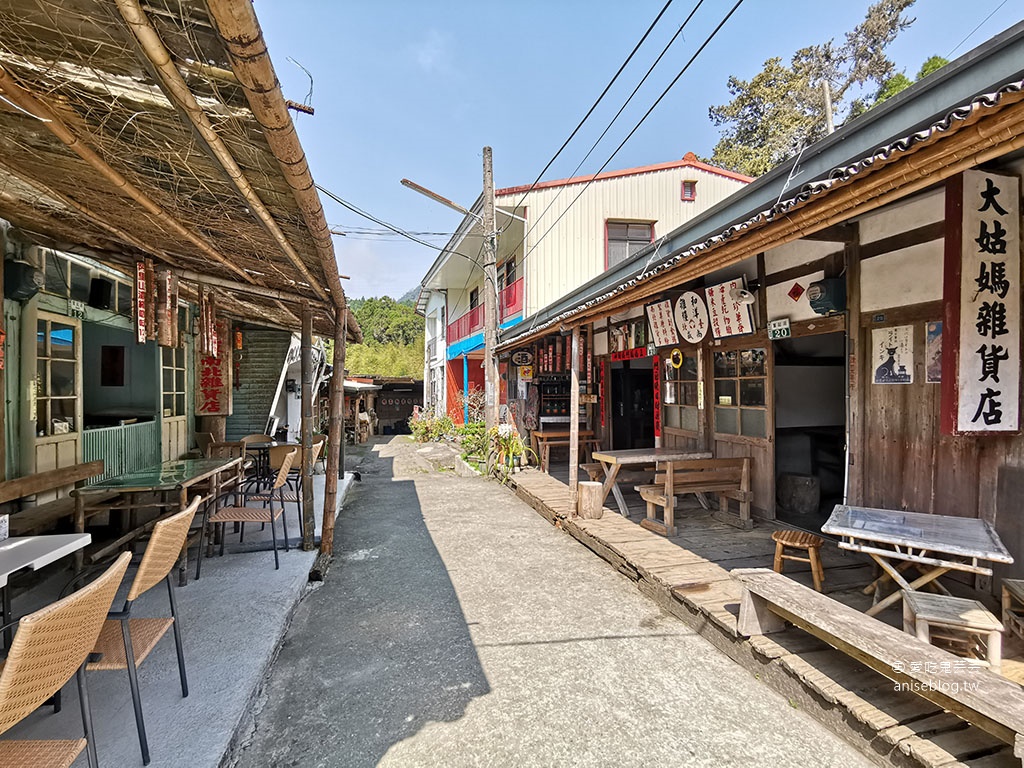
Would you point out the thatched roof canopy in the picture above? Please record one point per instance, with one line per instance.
(158, 130)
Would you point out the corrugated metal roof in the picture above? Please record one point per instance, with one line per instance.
(721, 224)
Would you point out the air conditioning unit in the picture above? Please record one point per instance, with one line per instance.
(22, 280)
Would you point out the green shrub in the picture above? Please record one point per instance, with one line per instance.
(426, 429)
(473, 437)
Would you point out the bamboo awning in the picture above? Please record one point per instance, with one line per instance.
(159, 131)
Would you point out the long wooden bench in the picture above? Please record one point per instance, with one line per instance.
(47, 514)
(729, 478)
(974, 694)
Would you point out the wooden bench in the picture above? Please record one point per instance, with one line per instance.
(729, 478)
(47, 514)
(976, 695)
(589, 444)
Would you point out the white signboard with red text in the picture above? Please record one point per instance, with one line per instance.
(728, 316)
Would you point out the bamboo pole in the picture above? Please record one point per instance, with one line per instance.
(335, 437)
(178, 92)
(308, 522)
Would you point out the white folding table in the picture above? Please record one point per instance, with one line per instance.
(935, 544)
(34, 552)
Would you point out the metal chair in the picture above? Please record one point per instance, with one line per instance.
(291, 492)
(124, 642)
(51, 646)
(246, 514)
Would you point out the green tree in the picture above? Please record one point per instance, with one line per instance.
(932, 64)
(392, 335)
(782, 108)
(900, 82)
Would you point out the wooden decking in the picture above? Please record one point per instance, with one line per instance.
(688, 576)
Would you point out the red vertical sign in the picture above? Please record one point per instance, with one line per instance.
(657, 397)
(140, 302)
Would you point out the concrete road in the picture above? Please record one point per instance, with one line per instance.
(458, 628)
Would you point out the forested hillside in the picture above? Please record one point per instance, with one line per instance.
(393, 336)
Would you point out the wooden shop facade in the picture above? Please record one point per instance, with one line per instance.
(851, 321)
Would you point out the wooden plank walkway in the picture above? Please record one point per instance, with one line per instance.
(688, 576)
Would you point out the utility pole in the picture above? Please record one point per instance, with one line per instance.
(490, 297)
(827, 89)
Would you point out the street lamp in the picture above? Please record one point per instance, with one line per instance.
(490, 276)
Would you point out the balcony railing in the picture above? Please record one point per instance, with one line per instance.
(510, 300)
(470, 323)
(510, 303)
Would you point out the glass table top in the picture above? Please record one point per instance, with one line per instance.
(166, 476)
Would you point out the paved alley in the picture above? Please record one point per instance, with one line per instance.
(458, 628)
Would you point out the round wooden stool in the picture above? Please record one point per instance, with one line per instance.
(801, 540)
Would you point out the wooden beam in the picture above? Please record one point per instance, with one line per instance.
(928, 310)
(856, 353)
(335, 435)
(574, 423)
(925, 234)
(308, 521)
(837, 233)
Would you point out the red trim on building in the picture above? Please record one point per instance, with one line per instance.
(689, 161)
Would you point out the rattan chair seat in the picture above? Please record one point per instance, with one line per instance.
(289, 497)
(40, 754)
(146, 633)
(245, 515)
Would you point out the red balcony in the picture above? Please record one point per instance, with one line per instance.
(510, 300)
(470, 323)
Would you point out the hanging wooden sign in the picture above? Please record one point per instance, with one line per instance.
(730, 314)
(213, 376)
(982, 298)
(151, 302)
(167, 308)
(663, 324)
(141, 302)
(691, 316)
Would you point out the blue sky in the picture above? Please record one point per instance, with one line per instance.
(416, 89)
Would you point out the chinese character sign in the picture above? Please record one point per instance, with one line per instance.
(692, 317)
(988, 366)
(141, 300)
(663, 326)
(728, 316)
(213, 377)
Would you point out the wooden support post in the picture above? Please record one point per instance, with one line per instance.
(756, 618)
(591, 500)
(574, 422)
(856, 352)
(308, 522)
(335, 436)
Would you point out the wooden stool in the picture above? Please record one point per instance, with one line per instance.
(800, 540)
(965, 627)
(1013, 606)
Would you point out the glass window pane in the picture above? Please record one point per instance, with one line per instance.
(752, 420)
(752, 362)
(62, 341)
(617, 252)
(167, 354)
(640, 232)
(43, 418)
(635, 246)
(124, 299)
(168, 385)
(752, 392)
(168, 405)
(62, 412)
(41, 339)
(618, 231)
(179, 380)
(42, 380)
(688, 419)
(689, 393)
(56, 274)
(62, 378)
(725, 392)
(672, 417)
(80, 282)
(725, 364)
(179, 405)
(689, 370)
(725, 420)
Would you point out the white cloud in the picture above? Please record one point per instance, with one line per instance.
(433, 54)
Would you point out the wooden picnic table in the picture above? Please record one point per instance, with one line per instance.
(612, 461)
(178, 476)
(542, 439)
(897, 540)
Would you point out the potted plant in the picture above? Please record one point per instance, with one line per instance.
(508, 448)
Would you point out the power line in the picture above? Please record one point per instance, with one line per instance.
(599, 98)
(976, 29)
(647, 114)
(607, 127)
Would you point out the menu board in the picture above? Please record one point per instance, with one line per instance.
(729, 317)
(663, 325)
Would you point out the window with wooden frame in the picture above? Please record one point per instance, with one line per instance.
(689, 193)
(57, 372)
(173, 369)
(474, 298)
(739, 390)
(626, 239)
(679, 395)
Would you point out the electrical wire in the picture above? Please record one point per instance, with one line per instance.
(608, 127)
(969, 34)
(647, 114)
(594, 105)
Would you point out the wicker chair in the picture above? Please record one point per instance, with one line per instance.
(320, 440)
(257, 439)
(123, 638)
(291, 491)
(246, 514)
(50, 647)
